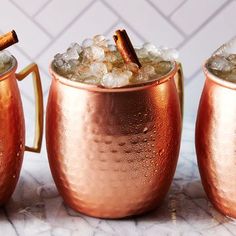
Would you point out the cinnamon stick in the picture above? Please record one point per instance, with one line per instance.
(8, 39)
(125, 47)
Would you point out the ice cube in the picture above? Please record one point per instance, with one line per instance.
(83, 70)
(168, 54)
(58, 56)
(145, 72)
(93, 53)
(5, 57)
(59, 63)
(149, 70)
(116, 78)
(112, 47)
(132, 67)
(109, 65)
(71, 54)
(97, 53)
(100, 41)
(232, 77)
(149, 47)
(227, 48)
(98, 69)
(1, 66)
(77, 47)
(87, 43)
(232, 58)
(58, 60)
(163, 67)
(110, 56)
(66, 69)
(220, 63)
(141, 52)
(92, 80)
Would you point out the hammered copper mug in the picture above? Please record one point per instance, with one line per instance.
(113, 152)
(12, 126)
(216, 142)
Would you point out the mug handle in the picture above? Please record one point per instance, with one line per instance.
(33, 68)
(179, 81)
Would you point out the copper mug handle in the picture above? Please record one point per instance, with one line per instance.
(179, 81)
(33, 68)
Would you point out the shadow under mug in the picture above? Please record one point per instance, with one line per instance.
(215, 140)
(12, 126)
(113, 152)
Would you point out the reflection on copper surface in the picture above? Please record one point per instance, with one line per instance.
(113, 152)
(12, 135)
(216, 142)
(12, 127)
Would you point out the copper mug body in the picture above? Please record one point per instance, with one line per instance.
(113, 152)
(216, 142)
(12, 127)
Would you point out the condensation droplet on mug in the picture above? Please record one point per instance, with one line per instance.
(121, 143)
(161, 152)
(1, 153)
(145, 130)
(14, 176)
(108, 142)
(128, 151)
(18, 154)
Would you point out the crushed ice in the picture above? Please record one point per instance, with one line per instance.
(98, 62)
(5, 61)
(223, 61)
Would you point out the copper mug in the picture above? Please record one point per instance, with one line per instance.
(113, 152)
(216, 142)
(12, 126)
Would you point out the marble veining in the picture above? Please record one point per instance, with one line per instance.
(37, 209)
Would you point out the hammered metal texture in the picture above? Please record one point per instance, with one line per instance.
(12, 135)
(216, 143)
(113, 154)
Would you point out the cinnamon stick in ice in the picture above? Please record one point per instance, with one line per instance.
(8, 39)
(125, 47)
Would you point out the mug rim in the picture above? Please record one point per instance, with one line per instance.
(216, 79)
(96, 88)
(10, 70)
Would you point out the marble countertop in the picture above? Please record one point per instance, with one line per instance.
(36, 208)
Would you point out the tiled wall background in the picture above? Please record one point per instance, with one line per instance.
(45, 27)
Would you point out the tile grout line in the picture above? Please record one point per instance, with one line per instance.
(64, 29)
(167, 19)
(119, 16)
(111, 27)
(31, 19)
(194, 75)
(220, 9)
(177, 8)
(41, 8)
